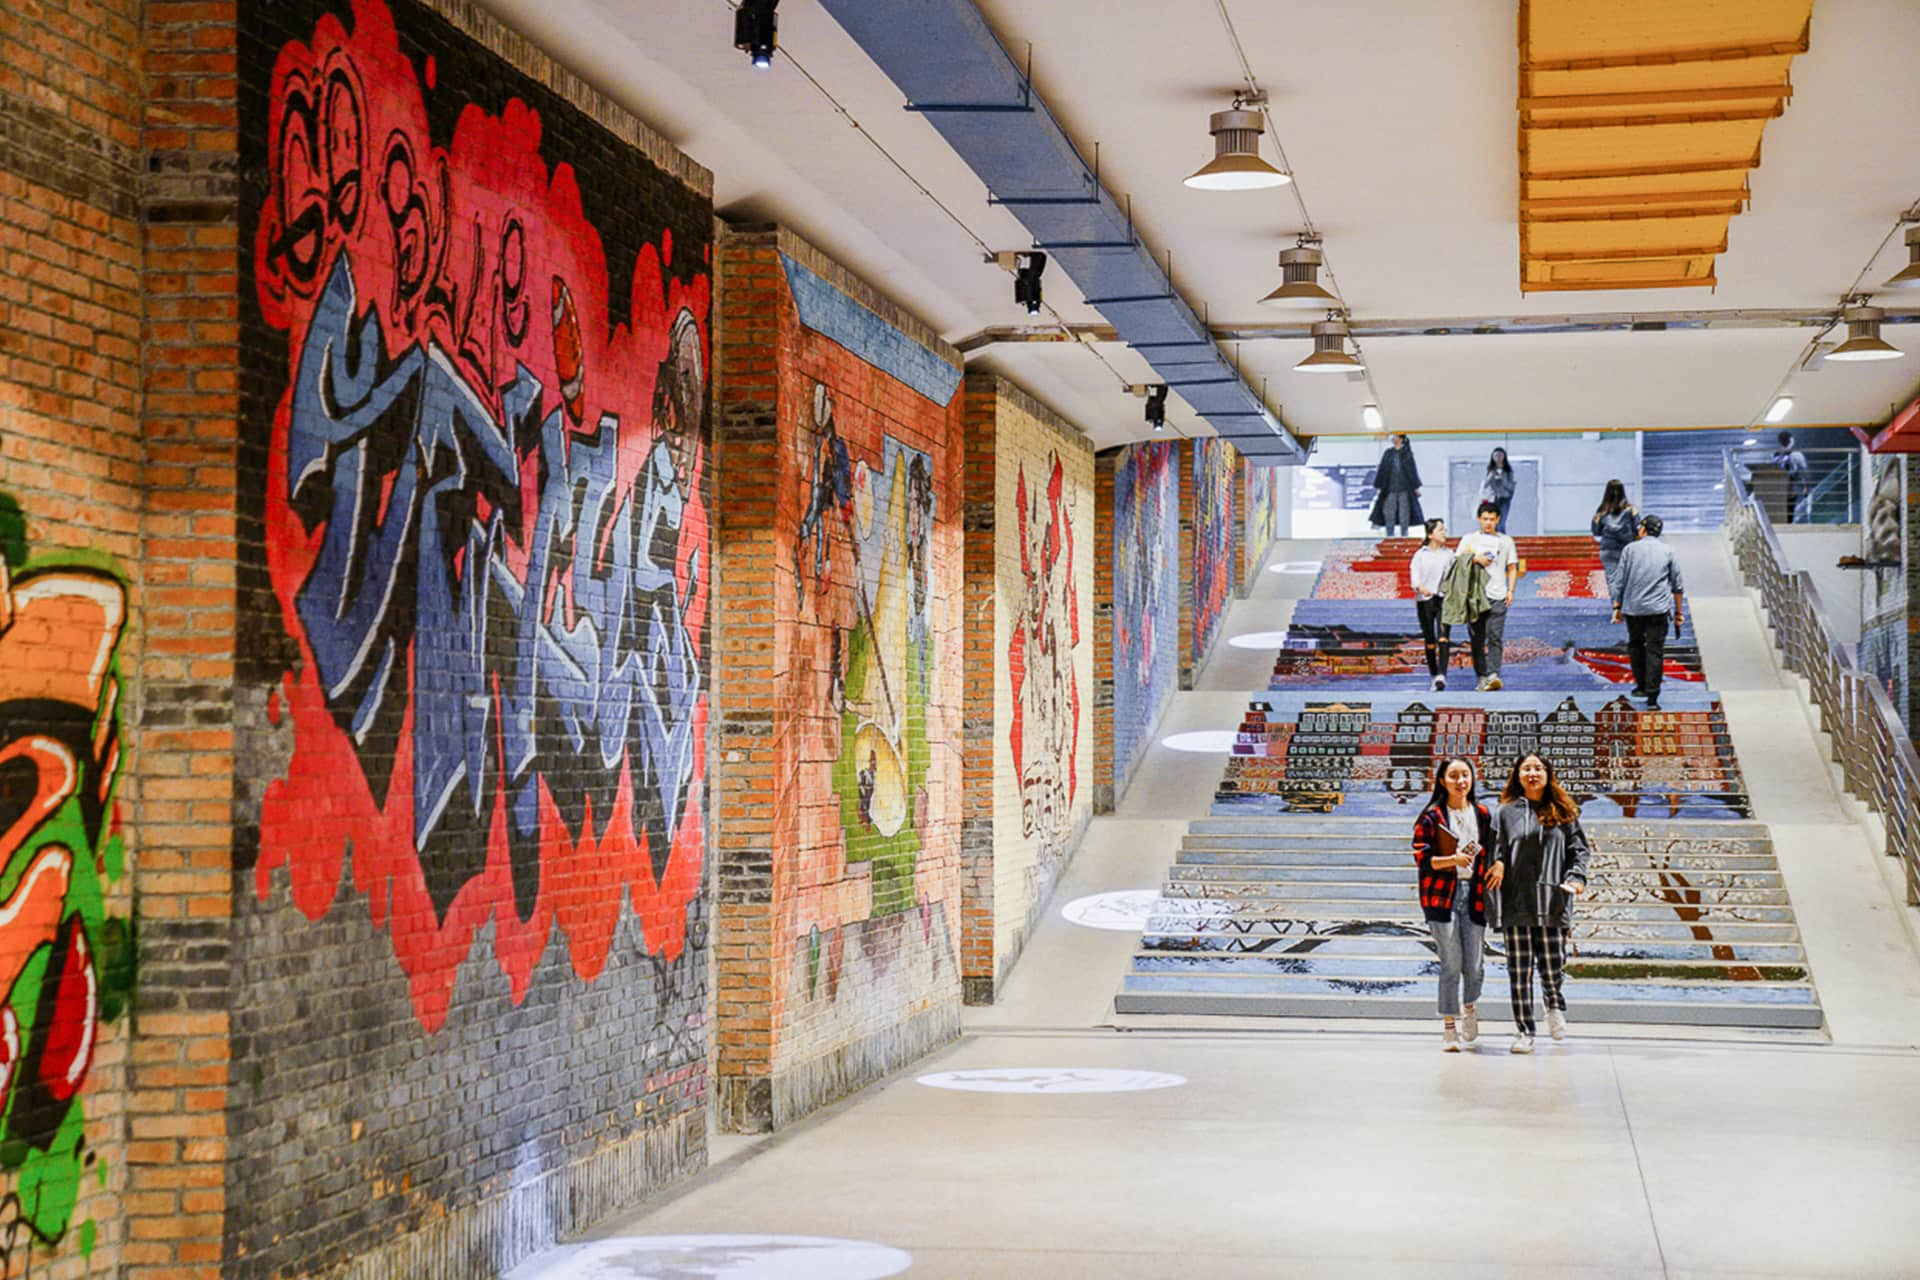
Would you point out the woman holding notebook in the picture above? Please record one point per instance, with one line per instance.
(1451, 838)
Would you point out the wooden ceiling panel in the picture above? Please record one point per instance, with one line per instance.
(1637, 126)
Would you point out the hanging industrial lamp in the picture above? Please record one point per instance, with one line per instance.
(1236, 163)
(1330, 354)
(1863, 337)
(1299, 275)
(1908, 276)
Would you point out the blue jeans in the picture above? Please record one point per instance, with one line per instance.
(1461, 945)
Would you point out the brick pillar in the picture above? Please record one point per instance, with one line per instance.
(177, 1150)
(1103, 780)
(977, 734)
(745, 696)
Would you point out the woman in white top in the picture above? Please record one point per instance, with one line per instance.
(1428, 573)
(1450, 842)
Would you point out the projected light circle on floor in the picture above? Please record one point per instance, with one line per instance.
(1296, 566)
(1258, 640)
(725, 1257)
(1122, 910)
(1052, 1080)
(1205, 742)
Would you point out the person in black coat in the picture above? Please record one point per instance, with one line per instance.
(1540, 859)
(1396, 490)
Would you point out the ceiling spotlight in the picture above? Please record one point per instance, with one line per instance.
(1330, 353)
(1863, 337)
(1370, 414)
(1908, 276)
(1157, 406)
(1299, 272)
(1236, 163)
(1779, 409)
(756, 30)
(1026, 280)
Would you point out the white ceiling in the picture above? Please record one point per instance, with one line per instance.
(1398, 117)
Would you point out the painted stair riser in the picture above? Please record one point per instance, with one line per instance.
(1493, 1012)
(1312, 965)
(1732, 932)
(1672, 993)
(1650, 879)
(1605, 863)
(1616, 829)
(1413, 947)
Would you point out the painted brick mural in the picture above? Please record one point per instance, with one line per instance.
(67, 956)
(852, 508)
(1212, 572)
(1262, 488)
(476, 346)
(1146, 598)
(1029, 600)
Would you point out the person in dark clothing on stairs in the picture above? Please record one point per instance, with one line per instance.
(1647, 590)
(1396, 490)
(1540, 859)
(1428, 573)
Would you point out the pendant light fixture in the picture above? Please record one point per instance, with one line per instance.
(1330, 354)
(1908, 276)
(1299, 274)
(1863, 337)
(1236, 163)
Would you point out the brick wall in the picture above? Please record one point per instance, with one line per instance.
(72, 529)
(841, 635)
(1208, 529)
(469, 922)
(1029, 638)
(1143, 532)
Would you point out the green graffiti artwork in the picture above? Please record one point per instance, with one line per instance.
(67, 957)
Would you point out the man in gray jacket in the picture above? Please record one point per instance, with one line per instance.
(1646, 591)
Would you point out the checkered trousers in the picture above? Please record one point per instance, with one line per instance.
(1531, 947)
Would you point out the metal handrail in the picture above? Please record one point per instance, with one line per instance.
(1876, 757)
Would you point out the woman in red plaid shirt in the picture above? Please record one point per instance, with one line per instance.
(1453, 893)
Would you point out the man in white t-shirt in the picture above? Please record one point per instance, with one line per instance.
(1495, 552)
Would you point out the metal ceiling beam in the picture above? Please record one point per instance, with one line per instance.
(1455, 326)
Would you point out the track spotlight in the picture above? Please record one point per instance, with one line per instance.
(1026, 280)
(1157, 406)
(1780, 408)
(1909, 276)
(1300, 286)
(1236, 163)
(1330, 353)
(1371, 415)
(1863, 337)
(756, 31)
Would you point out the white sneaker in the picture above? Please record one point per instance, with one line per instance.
(1449, 1040)
(1556, 1024)
(1439, 682)
(1521, 1044)
(1493, 683)
(1480, 685)
(1469, 1025)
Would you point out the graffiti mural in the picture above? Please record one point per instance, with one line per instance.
(1213, 462)
(1883, 631)
(1146, 587)
(484, 526)
(1045, 734)
(66, 952)
(1263, 497)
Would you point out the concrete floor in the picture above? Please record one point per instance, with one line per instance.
(1335, 1150)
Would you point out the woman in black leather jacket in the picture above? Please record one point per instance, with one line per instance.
(1540, 859)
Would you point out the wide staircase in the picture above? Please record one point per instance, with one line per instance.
(1297, 897)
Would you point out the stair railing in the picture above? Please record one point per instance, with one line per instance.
(1870, 743)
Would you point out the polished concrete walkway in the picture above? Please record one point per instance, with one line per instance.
(1341, 1150)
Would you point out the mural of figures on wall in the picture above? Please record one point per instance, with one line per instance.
(1213, 463)
(1883, 632)
(1045, 734)
(66, 952)
(869, 518)
(484, 522)
(1146, 589)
